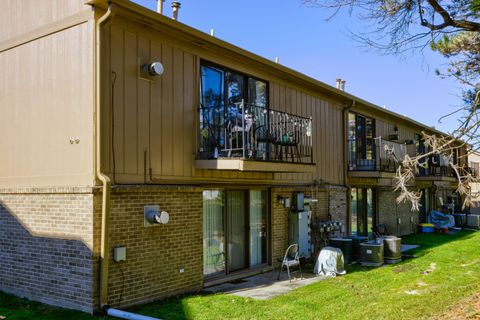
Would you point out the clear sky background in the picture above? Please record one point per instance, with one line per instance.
(303, 40)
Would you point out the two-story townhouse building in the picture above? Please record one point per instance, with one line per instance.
(373, 135)
(111, 112)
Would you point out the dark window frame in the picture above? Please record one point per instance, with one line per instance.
(246, 77)
(362, 141)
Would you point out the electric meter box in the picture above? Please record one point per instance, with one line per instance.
(298, 201)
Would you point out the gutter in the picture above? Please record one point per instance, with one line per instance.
(346, 110)
(104, 179)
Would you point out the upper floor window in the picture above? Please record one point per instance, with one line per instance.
(361, 136)
(230, 102)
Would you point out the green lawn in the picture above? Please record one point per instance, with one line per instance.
(447, 269)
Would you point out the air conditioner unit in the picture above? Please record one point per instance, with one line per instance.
(473, 221)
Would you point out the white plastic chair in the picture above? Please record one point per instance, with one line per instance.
(291, 259)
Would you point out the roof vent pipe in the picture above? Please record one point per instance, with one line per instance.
(338, 83)
(342, 85)
(160, 6)
(175, 9)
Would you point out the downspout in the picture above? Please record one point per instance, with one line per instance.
(106, 183)
(346, 110)
(104, 179)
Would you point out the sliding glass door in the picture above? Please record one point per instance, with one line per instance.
(213, 233)
(235, 230)
(237, 227)
(258, 227)
(361, 142)
(362, 211)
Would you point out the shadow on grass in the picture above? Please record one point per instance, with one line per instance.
(14, 308)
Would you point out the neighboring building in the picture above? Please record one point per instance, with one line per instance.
(474, 165)
(219, 140)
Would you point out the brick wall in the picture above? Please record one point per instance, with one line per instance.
(46, 241)
(332, 205)
(155, 254)
(338, 206)
(279, 216)
(50, 240)
(389, 212)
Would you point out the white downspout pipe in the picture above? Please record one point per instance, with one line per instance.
(104, 179)
(126, 315)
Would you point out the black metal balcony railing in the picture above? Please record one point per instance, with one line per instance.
(434, 166)
(254, 132)
(381, 155)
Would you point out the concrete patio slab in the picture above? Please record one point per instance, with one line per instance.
(265, 286)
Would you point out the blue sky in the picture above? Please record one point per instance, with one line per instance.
(303, 40)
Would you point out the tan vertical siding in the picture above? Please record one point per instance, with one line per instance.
(384, 128)
(46, 99)
(20, 16)
(143, 107)
(156, 125)
(160, 116)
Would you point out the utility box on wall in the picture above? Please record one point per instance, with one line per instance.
(298, 201)
(299, 231)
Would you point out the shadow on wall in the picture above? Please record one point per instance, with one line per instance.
(54, 271)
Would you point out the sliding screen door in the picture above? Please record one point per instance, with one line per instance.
(258, 227)
(213, 233)
(237, 229)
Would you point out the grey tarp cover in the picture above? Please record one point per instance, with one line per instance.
(329, 262)
(441, 220)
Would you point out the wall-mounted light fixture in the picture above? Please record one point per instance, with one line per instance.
(153, 216)
(153, 69)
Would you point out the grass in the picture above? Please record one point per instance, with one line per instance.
(446, 270)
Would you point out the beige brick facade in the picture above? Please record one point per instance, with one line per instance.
(333, 207)
(155, 254)
(50, 242)
(46, 241)
(398, 218)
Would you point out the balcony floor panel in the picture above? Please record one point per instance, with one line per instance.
(251, 165)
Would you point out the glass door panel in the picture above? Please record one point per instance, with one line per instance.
(237, 230)
(370, 211)
(212, 111)
(236, 120)
(258, 227)
(361, 210)
(213, 233)
(354, 214)
(361, 141)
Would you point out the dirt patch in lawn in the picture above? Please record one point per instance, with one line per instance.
(468, 308)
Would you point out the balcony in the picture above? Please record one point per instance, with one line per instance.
(254, 138)
(435, 167)
(380, 158)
